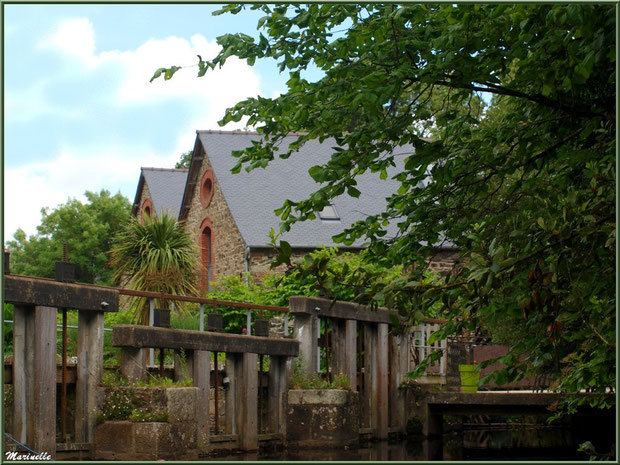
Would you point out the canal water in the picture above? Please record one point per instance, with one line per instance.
(471, 442)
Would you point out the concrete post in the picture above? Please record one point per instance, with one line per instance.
(89, 372)
(201, 367)
(305, 330)
(133, 366)
(44, 369)
(247, 411)
(350, 352)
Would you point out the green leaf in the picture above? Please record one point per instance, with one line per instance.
(157, 74)
(353, 192)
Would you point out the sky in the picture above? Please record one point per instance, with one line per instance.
(79, 111)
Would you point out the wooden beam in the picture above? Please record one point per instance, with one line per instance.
(201, 300)
(25, 290)
(138, 336)
(345, 310)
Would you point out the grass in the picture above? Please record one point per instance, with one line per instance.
(303, 380)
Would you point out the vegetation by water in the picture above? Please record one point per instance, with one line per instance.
(304, 380)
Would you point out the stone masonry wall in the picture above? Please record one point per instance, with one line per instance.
(229, 246)
(444, 261)
(146, 194)
(260, 265)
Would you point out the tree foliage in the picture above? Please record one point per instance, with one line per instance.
(525, 189)
(323, 272)
(86, 228)
(155, 254)
(185, 160)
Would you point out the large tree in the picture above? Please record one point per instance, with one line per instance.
(526, 189)
(86, 229)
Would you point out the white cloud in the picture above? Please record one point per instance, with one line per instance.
(30, 187)
(74, 169)
(73, 37)
(220, 88)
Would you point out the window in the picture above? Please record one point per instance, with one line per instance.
(146, 209)
(207, 255)
(206, 188)
(329, 213)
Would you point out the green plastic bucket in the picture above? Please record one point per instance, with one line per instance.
(469, 378)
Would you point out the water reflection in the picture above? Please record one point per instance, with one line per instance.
(508, 443)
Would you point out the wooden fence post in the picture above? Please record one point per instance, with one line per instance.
(233, 373)
(306, 333)
(278, 386)
(381, 382)
(133, 363)
(201, 372)
(23, 373)
(338, 343)
(350, 352)
(247, 411)
(89, 372)
(44, 368)
(369, 415)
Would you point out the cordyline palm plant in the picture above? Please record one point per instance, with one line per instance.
(155, 254)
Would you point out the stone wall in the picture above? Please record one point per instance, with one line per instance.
(174, 439)
(146, 194)
(229, 246)
(260, 261)
(322, 418)
(443, 261)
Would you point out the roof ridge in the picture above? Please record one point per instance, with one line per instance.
(243, 133)
(150, 168)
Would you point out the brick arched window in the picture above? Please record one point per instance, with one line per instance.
(207, 187)
(206, 241)
(147, 208)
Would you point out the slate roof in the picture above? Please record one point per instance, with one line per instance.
(253, 197)
(166, 187)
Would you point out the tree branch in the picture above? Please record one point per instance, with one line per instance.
(574, 110)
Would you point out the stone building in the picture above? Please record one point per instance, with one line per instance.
(231, 215)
